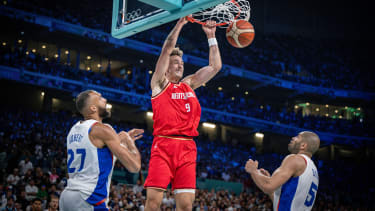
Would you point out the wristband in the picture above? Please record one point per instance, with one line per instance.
(212, 41)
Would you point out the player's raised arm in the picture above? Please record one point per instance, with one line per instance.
(290, 166)
(130, 158)
(205, 74)
(158, 80)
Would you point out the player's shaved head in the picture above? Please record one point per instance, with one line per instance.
(82, 99)
(312, 140)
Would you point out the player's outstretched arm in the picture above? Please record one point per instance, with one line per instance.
(130, 159)
(268, 184)
(267, 174)
(205, 74)
(158, 78)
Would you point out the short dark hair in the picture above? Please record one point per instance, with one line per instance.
(81, 99)
(53, 196)
(37, 199)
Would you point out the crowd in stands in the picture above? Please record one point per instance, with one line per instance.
(33, 154)
(34, 171)
(326, 63)
(20, 57)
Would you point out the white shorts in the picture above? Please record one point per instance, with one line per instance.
(72, 201)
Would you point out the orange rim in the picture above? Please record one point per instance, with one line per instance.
(193, 20)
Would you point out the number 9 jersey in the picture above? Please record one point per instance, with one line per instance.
(176, 111)
(298, 193)
(90, 168)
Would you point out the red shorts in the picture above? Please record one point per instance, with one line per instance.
(173, 160)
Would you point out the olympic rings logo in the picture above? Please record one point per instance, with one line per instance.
(132, 15)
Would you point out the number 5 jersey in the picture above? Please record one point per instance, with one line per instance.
(298, 193)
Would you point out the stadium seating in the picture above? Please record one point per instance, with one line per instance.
(40, 136)
(345, 184)
(17, 57)
(323, 63)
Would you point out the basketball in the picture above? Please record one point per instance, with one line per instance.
(240, 33)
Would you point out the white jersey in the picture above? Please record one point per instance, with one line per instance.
(298, 193)
(90, 168)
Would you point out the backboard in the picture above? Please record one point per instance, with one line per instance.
(132, 16)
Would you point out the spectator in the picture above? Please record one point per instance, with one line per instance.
(168, 200)
(3, 155)
(31, 190)
(18, 206)
(40, 177)
(9, 205)
(5, 197)
(28, 176)
(138, 187)
(225, 176)
(203, 173)
(53, 204)
(25, 165)
(53, 191)
(53, 177)
(13, 178)
(36, 205)
(42, 193)
(21, 199)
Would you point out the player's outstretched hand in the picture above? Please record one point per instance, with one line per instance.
(209, 28)
(182, 21)
(125, 138)
(251, 166)
(136, 133)
(264, 172)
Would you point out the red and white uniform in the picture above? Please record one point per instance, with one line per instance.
(176, 111)
(176, 115)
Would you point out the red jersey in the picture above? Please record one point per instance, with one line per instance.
(176, 111)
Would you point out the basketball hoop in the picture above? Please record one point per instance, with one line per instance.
(224, 14)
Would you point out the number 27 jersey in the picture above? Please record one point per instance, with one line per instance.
(176, 111)
(90, 168)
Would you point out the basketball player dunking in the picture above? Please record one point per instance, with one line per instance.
(92, 151)
(293, 186)
(176, 117)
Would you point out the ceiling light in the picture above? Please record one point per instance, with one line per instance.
(209, 125)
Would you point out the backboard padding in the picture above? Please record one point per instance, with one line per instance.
(139, 16)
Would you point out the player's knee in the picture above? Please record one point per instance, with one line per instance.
(185, 205)
(153, 203)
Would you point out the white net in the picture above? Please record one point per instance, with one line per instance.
(225, 13)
